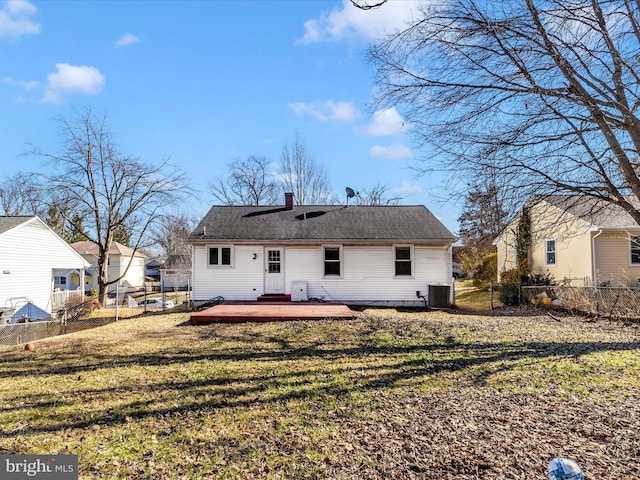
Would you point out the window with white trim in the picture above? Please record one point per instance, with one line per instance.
(220, 256)
(550, 252)
(332, 256)
(634, 249)
(403, 260)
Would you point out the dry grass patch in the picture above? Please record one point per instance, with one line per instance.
(402, 395)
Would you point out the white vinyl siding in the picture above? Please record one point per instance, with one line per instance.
(243, 282)
(133, 279)
(30, 255)
(368, 275)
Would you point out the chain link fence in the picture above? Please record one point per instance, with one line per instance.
(14, 334)
(65, 320)
(612, 302)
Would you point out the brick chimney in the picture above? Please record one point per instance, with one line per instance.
(288, 201)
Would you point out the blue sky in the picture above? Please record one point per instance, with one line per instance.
(205, 82)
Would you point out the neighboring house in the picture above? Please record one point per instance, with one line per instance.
(175, 273)
(35, 261)
(152, 268)
(368, 255)
(577, 240)
(121, 259)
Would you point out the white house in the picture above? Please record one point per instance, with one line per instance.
(366, 255)
(122, 261)
(34, 261)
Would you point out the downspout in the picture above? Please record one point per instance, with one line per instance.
(593, 257)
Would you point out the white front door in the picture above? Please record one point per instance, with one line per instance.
(274, 270)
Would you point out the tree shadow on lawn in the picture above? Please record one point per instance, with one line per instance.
(324, 373)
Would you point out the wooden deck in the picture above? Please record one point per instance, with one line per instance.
(232, 312)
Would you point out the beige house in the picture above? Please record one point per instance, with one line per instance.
(578, 241)
(122, 261)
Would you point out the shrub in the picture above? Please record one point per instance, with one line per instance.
(510, 294)
(541, 279)
(517, 274)
(522, 275)
(78, 308)
(486, 272)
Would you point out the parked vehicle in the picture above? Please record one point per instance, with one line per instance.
(156, 302)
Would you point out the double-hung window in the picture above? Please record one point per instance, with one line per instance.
(220, 256)
(332, 261)
(550, 253)
(634, 247)
(403, 260)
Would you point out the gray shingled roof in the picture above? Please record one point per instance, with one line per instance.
(7, 223)
(321, 223)
(86, 247)
(597, 213)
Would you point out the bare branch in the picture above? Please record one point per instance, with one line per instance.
(544, 93)
(109, 192)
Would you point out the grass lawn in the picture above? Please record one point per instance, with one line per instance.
(471, 298)
(389, 395)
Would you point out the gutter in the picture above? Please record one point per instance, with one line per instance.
(593, 256)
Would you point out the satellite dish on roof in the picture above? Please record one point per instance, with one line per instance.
(350, 194)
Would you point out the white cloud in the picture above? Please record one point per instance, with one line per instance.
(407, 188)
(348, 21)
(71, 79)
(395, 151)
(21, 83)
(127, 39)
(326, 111)
(385, 122)
(15, 19)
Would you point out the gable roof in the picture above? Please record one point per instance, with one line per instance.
(321, 223)
(597, 213)
(89, 248)
(7, 223)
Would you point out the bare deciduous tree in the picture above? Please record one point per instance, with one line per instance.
(249, 183)
(19, 195)
(172, 233)
(302, 176)
(110, 191)
(546, 93)
(368, 5)
(376, 195)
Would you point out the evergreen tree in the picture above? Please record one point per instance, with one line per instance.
(482, 221)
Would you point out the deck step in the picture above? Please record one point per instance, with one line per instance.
(274, 297)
